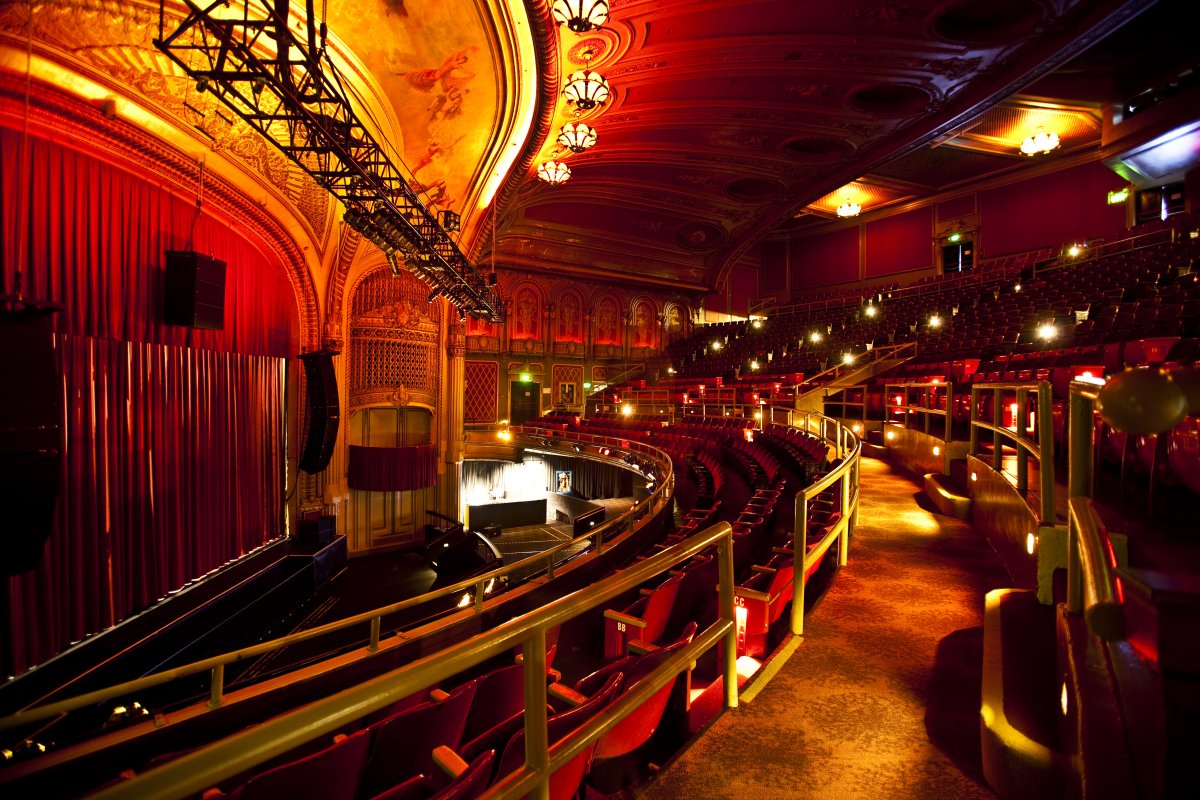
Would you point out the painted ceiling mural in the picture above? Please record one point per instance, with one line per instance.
(435, 64)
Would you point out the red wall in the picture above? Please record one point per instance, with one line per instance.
(1049, 210)
(743, 286)
(900, 244)
(825, 259)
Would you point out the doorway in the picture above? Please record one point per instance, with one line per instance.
(958, 257)
(525, 401)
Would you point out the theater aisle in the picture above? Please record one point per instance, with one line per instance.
(881, 699)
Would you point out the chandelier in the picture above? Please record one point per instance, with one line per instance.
(849, 209)
(577, 137)
(580, 16)
(586, 89)
(554, 172)
(1040, 142)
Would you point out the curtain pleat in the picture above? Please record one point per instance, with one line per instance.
(172, 438)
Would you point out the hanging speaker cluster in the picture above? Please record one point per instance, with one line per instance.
(324, 414)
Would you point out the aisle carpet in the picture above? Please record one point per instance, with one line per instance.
(881, 700)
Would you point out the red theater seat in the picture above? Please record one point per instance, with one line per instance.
(331, 774)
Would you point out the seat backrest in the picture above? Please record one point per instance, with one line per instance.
(658, 608)
(501, 693)
(404, 742)
(566, 779)
(638, 726)
(331, 774)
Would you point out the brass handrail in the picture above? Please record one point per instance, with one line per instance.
(1091, 586)
(847, 473)
(924, 407)
(477, 586)
(233, 755)
(1042, 450)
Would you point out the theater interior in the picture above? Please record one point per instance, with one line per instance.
(599, 399)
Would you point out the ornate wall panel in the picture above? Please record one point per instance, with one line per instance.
(481, 402)
(394, 342)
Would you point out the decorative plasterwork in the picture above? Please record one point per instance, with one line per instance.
(112, 44)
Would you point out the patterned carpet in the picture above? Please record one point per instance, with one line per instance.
(881, 700)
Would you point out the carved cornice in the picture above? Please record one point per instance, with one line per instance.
(336, 291)
(60, 117)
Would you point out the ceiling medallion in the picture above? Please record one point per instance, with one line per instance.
(585, 51)
(1040, 142)
(554, 172)
(577, 137)
(587, 89)
(580, 16)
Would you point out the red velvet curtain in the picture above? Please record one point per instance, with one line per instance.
(392, 469)
(172, 438)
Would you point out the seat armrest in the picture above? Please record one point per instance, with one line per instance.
(637, 647)
(449, 761)
(617, 616)
(437, 695)
(565, 693)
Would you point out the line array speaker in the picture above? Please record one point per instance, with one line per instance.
(323, 410)
(30, 435)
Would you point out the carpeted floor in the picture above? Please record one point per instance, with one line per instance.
(881, 700)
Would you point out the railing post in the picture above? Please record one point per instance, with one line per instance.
(375, 625)
(728, 612)
(217, 688)
(537, 739)
(1079, 453)
(949, 420)
(1045, 431)
(844, 538)
(800, 544)
(973, 448)
(479, 596)
(1022, 453)
(927, 395)
(998, 422)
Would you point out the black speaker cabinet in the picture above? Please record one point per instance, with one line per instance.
(323, 411)
(194, 291)
(30, 435)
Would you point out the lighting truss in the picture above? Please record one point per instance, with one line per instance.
(289, 90)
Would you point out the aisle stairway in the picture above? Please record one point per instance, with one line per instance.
(881, 699)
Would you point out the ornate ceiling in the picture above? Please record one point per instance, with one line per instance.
(728, 121)
(730, 118)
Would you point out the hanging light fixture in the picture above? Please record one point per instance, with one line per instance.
(554, 172)
(580, 16)
(587, 89)
(1039, 142)
(577, 137)
(849, 209)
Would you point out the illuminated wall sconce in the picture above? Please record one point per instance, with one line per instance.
(1030, 543)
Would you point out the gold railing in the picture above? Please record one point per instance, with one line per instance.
(926, 406)
(848, 449)
(1091, 584)
(1042, 449)
(231, 756)
(1091, 559)
(475, 591)
(861, 361)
